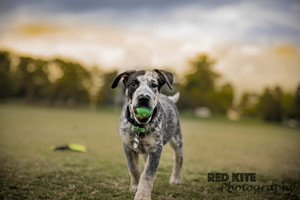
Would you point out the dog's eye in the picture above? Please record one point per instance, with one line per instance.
(154, 85)
(133, 84)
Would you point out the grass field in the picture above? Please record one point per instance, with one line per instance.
(29, 170)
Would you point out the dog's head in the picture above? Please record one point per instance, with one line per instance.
(143, 88)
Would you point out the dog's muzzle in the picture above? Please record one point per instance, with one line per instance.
(143, 100)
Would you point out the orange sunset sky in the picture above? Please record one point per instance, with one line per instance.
(255, 43)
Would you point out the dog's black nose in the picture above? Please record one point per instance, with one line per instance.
(143, 99)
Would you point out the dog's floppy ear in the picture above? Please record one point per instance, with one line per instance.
(166, 77)
(124, 75)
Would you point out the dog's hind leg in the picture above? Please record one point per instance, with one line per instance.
(176, 145)
(133, 166)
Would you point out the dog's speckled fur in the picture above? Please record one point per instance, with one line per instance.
(161, 127)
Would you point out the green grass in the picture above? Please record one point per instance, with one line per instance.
(29, 170)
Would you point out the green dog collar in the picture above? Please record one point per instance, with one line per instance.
(138, 129)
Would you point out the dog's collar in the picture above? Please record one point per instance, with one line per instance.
(138, 129)
(135, 125)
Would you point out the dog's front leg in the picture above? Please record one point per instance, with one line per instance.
(133, 166)
(148, 175)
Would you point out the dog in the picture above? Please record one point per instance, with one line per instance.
(147, 136)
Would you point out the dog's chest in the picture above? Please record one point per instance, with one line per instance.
(140, 142)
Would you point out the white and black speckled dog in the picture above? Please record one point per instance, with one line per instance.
(149, 135)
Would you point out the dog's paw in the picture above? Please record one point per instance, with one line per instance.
(133, 188)
(175, 180)
(142, 196)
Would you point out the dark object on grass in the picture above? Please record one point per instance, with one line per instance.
(71, 146)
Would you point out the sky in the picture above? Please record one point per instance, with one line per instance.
(254, 43)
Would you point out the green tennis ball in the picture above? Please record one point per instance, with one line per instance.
(143, 112)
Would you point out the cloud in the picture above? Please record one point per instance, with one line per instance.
(252, 67)
(231, 21)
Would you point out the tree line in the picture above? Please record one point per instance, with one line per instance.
(61, 82)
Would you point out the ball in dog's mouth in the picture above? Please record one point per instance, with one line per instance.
(142, 112)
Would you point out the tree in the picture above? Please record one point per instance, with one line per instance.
(32, 78)
(297, 103)
(94, 88)
(200, 89)
(271, 105)
(249, 104)
(107, 96)
(71, 87)
(288, 100)
(6, 79)
(224, 98)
